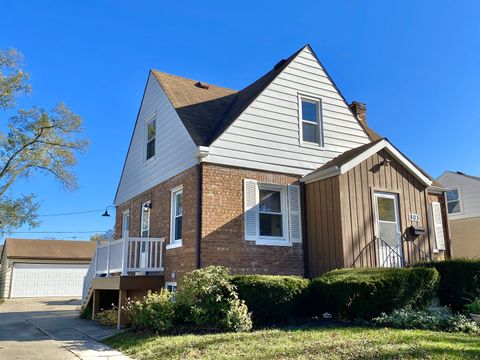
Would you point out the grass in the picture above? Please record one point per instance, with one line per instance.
(302, 343)
(2, 301)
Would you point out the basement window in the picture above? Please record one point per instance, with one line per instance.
(311, 131)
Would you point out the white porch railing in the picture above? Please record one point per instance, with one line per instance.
(129, 254)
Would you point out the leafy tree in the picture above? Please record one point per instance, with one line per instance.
(107, 235)
(35, 141)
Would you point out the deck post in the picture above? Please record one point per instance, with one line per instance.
(125, 253)
(95, 303)
(96, 257)
(122, 298)
(108, 258)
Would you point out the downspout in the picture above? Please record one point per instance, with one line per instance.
(198, 241)
(304, 229)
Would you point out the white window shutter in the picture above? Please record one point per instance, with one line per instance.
(438, 225)
(294, 213)
(250, 216)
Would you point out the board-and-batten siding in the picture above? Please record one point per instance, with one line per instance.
(349, 226)
(266, 135)
(174, 148)
(469, 194)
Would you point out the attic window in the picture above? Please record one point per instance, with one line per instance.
(202, 86)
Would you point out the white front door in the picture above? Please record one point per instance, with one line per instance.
(44, 280)
(387, 230)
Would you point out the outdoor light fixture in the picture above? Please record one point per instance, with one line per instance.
(106, 214)
(387, 162)
(147, 205)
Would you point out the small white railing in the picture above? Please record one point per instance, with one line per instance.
(129, 254)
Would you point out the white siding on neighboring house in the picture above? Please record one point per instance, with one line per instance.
(5, 274)
(469, 193)
(175, 150)
(266, 135)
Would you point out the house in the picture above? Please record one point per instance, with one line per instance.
(43, 268)
(282, 177)
(463, 205)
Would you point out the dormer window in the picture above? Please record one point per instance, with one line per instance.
(311, 121)
(150, 138)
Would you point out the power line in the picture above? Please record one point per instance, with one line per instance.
(73, 213)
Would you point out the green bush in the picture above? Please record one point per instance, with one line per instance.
(366, 293)
(473, 308)
(108, 317)
(459, 282)
(85, 313)
(154, 312)
(427, 320)
(272, 298)
(209, 300)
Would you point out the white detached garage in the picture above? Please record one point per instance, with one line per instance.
(44, 268)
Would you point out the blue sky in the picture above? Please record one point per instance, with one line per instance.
(415, 64)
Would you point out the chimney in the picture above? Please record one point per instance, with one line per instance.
(360, 111)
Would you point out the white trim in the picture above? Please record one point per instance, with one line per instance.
(318, 102)
(383, 144)
(125, 213)
(171, 283)
(173, 204)
(141, 219)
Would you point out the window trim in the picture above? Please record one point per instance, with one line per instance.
(460, 201)
(173, 197)
(141, 218)
(284, 240)
(318, 101)
(148, 121)
(171, 283)
(124, 213)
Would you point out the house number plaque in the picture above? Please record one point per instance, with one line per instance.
(413, 217)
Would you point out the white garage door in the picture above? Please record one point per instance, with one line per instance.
(44, 280)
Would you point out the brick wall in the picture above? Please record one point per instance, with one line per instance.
(222, 229)
(177, 260)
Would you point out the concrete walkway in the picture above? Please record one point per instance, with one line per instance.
(50, 329)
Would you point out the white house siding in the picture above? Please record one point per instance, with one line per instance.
(469, 194)
(5, 274)
(175, 150)
(266, 135)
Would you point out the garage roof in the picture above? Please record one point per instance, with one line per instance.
(49, 249)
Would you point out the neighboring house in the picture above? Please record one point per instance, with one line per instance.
(463, 202)
(282, 177)
(44, 268)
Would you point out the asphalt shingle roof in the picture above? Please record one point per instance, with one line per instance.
(49, 249)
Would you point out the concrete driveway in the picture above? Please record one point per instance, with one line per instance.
(50, 329)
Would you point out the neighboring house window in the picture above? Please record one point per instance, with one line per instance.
(171, 286)
(145, 221)
(453, 201)
(150, 139)
(271, 211)
(311, 121)
(176, 217)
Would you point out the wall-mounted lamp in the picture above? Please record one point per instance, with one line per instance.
(106, 214)
(387, 162)
(147, 205)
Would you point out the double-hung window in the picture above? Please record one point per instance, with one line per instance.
(453, 201)
(311, 121)
(271, 211)
(150, 138)
(145, 220)
(176, 217)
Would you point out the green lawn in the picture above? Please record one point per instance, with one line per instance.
(307, 343)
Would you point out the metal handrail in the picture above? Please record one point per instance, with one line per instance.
(389, 253)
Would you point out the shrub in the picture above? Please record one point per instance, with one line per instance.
(427, 320)
(85, 313)
(459, 281)
(366, 293)
(272, 298)
(154, 312)
(473, 308)
(108, 317)
(209, 300)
